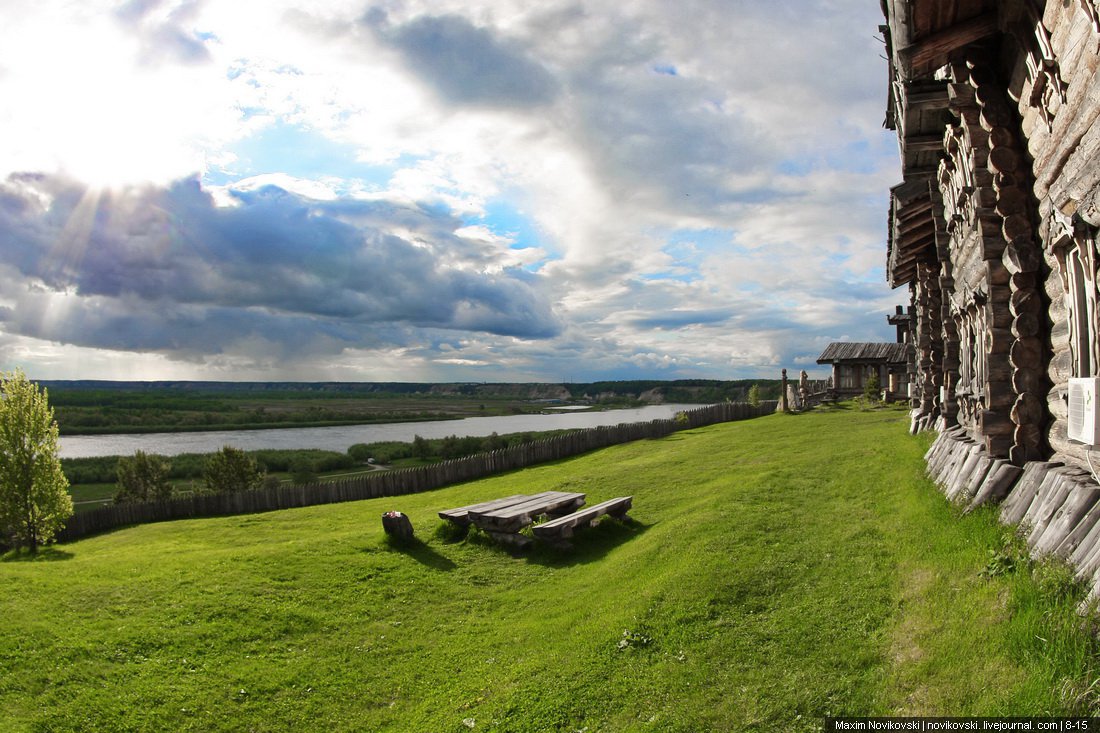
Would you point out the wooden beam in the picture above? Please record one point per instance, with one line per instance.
(923, 144)
(927, 99)
(930, 52)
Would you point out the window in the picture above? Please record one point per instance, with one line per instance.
(1079, 278)
(973, 359)
(849, 377)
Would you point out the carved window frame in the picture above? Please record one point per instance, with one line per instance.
(973, 354)
(1075, 248)
(1043, 69)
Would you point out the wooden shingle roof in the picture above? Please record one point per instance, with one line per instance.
(844, 351)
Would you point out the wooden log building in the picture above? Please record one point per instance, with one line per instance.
(993, 231)
(854, 363)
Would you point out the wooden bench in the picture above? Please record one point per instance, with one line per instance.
(559, 531)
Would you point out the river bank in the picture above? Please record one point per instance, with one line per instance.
(340, 438)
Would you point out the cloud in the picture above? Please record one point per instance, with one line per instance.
(164, 29)
(443, 189)
(466, 64)
(164, 269)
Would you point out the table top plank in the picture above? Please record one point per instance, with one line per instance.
(463, 511)
(517, 516)
(538, 504)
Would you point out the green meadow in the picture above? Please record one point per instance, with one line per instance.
(775, 571)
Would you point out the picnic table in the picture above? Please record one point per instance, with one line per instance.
(502, 519)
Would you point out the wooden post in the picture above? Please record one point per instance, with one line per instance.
(784, 405)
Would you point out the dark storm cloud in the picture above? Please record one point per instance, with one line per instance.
(466, 64)
(164, 269)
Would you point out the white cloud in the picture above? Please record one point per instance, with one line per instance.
(689, 189)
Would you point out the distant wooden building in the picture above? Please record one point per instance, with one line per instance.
(854, 363)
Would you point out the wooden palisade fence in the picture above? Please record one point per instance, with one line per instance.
(403, 481)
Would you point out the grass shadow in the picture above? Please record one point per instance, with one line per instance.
(450, 533)
(45, 554)
(835, 406)
(589, 544)
(419, 551)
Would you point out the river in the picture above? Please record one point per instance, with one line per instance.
(342, 437)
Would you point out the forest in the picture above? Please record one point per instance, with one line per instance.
(94, 407)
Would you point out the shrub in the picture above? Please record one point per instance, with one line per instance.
(872, 389)
(142, 477)
(230, 470)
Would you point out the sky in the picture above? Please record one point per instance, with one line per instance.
(440, 190)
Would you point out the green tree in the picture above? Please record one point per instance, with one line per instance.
(231, 469)
(34, 496)
(754, 395)
(872, 387)
(142, 477)
(421, 448)
(302, 471)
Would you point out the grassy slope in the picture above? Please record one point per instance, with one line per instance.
(778, 570)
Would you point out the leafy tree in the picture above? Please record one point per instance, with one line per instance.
(421, 448)
(34, 496)
(450, 448)
(754, 395)
(231, 469)
(302, 471)
(142, 477)
(495, 442)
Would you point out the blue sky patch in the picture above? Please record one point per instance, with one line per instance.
(303, 153)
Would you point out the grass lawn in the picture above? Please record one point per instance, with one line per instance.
(776, 570)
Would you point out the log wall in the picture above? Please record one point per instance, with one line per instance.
(1016, 192)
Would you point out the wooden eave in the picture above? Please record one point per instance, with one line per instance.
(912, 230)
(925, 33)
(845, 352)
(920, 111)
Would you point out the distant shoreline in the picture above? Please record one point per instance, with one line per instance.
(93, 408)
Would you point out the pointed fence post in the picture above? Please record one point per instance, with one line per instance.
(783, 404)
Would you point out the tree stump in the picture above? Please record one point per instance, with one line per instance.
(397, 525)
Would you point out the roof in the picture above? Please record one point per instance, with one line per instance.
(890, 353)
(911, 236)
(924, 33)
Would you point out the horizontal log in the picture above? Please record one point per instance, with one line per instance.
(995, 423)
(1026, 380)
(996, 273)
(923, 144)
(1017, 226)
(1026, 325)
(1004, 159)
(1028, 410)
(1023, 281)
(1026, 354)
(1000, 137)
(999, 314)
(1012, 201)
(994, 116)
(1018, 258)
(1026, 302)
